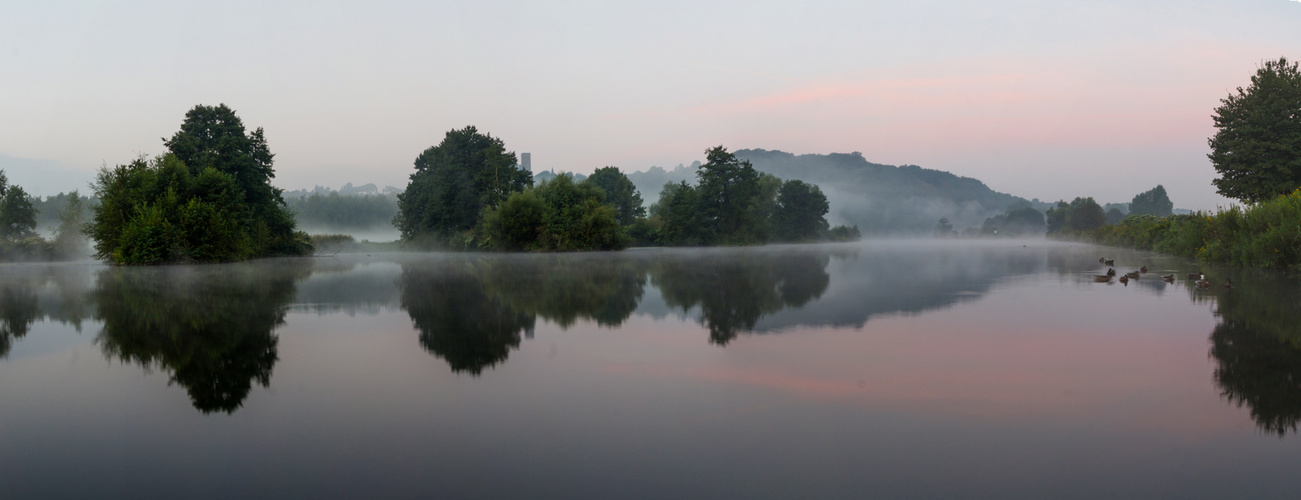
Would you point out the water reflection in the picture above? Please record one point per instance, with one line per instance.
(734, 291)
(33, 293)
(459, 321)
(1257, 345)
(18, 310)
(209, 327)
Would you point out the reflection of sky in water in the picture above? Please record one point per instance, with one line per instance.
(962, 369)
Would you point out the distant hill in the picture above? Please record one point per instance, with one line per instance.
(885, 198)
(650, 182)
(878, 198)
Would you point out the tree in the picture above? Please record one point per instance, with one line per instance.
(620, 193)
(943, 227)
(1081, 214)
(17, 217)
(214, 137)
(1152, 202)
(557, 215)
(454, 182)
(681, 222)
(729, 193)
(1257, 149)
(800, 212)
(1114, 216)
(1086, 215)
(68, 241)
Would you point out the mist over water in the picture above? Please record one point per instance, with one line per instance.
(881, 368)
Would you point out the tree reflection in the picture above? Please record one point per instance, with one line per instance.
(210, 327)
(1261, 372)
(458, 320)
(734, 291)
(1257, 346)
(565, 288)
(18, 310)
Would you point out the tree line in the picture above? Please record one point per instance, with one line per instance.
(468, 192)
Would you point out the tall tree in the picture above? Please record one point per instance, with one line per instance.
(454, 181)
(17, 217)
(1152, 202)
(800, 211)
(620, 193)
(729, 193)
(1257, 149)
(214, 137)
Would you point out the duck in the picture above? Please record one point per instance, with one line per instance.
(1111, 271)
(1124, 280)
(1143, 269)
(1202, 283)
(1195, 276)
(1169, 278)
(1228, 283)
(1102, 260)
(1109, 262)
(1132, 275)
(1102, 278)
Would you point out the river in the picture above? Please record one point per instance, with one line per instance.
(881, 369)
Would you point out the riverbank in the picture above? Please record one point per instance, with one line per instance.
(1265, 236)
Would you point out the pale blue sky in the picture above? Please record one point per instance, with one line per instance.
(1036, 98)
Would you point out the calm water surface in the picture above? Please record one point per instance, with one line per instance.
(880, 369)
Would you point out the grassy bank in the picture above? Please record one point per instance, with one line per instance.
(1266, 236)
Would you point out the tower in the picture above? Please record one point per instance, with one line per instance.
(526, 161)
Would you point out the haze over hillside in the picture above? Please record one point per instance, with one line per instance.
(878, 198)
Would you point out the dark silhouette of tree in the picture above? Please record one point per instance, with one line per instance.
(734, 292)
(728, 197)
(1081, 214)
(17, 216)
(1257, 147)
(1152, 202)
(620, 193)
(210, 328)
(454, 182)
(458, 321)
(1259, 371)
(18, 310)
(214, 137)
(800, 213)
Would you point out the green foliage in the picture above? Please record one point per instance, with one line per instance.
(620, 193)
(210, 200)
(1114, 216)
(680, 223)
(214, 138)
(729, 193)
(154, 212)
(800, 212)
(17, 217)
(1257, 147)
(1079, 216)
(557, 215)
(736, 205)
(1151, 202)
(1267, 235)
(454, 183)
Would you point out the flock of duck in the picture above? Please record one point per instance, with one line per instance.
(1199, 279)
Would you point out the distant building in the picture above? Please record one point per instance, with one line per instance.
(526, 161)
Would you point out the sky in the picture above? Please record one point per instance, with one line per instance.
(1039, 99)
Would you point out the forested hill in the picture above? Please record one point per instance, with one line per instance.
(885, 198)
